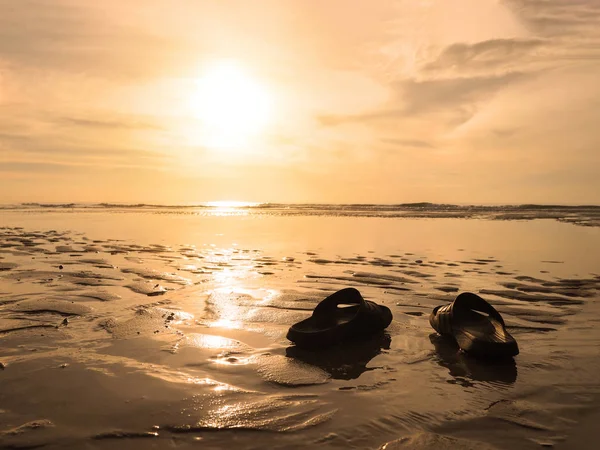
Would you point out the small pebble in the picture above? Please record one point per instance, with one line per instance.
(2, 366)
(61, 267)
(65, 322)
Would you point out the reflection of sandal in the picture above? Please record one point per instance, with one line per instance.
(466, 368)
(341, 316)
(477, 327)
(347, 361)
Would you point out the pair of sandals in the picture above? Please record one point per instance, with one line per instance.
(345, 315)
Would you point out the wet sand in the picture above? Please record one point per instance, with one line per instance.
(161, 331)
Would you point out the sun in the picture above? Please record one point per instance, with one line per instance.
(233, 106)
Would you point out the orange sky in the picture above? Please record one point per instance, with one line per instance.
(458, 101)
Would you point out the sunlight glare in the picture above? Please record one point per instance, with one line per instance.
(233, 106)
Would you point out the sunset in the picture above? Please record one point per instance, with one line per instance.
(464, 101)
(299, 223)
(231, 106)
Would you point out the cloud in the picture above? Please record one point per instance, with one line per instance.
(494, 56)
(455, 98)
(122, 122)
(425, 96)
(66, 36)
(62, 141)
(57, 149)
(408, 143)
(558, 18)
(34, 167)
(452, 99)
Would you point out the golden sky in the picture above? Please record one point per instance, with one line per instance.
(380, 101)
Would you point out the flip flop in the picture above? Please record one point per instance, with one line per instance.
(477, 327)
(342, 316)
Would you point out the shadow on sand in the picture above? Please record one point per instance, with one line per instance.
(344, 362)
(465, 368)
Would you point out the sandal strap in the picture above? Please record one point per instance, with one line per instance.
(441, 320)
(328, 306)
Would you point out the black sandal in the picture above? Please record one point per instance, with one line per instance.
(477, 327)
(342, 316)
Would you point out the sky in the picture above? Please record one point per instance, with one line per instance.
(345, 101)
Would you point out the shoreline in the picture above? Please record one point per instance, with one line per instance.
(580, 215)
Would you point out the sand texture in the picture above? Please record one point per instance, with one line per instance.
(114, 342)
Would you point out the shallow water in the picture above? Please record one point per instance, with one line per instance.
(160, 330)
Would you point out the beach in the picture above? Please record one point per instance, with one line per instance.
(151, 327)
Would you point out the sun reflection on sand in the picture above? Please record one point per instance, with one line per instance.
(211, 341)
(228, 324)
(233, 277)
(227, 272)
(231, 307)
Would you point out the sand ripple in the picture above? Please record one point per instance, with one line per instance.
(143, 351)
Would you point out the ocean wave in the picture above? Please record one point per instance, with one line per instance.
(587, 215)
(326, 206)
